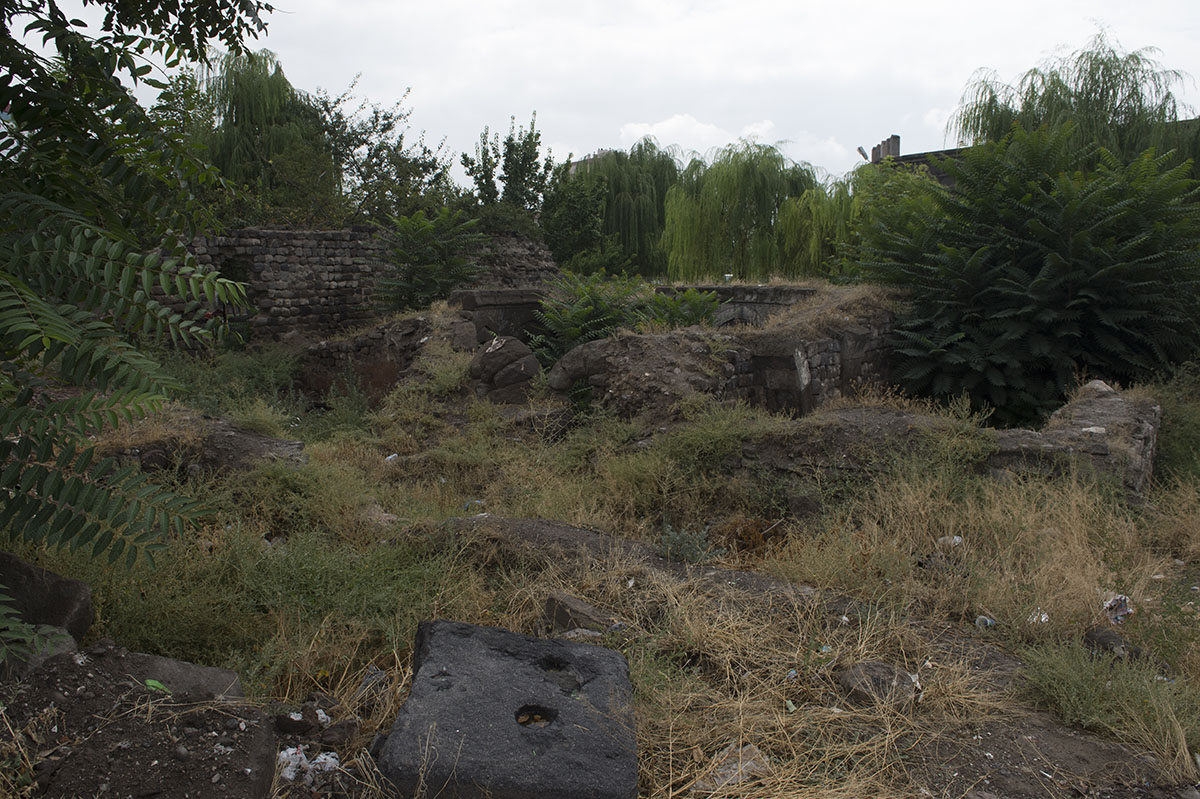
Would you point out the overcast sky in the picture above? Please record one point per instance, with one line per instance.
(824, 77)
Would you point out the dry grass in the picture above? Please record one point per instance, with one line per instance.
(711, 665)
(832, 309)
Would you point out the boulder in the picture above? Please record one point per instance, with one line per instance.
(504, 369)
(648, 374)
(1100, 428)
(564, 612)
(42, 597)
(875, 681)
(498, 714)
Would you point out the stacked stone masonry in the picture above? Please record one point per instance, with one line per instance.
(310, 283)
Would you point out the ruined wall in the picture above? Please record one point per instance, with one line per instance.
(311, 283)
(791, 371)
(788, 367)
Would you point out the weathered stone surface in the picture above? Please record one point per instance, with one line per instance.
(42, 597)
(498, 353)
(301, 283)
(735, 765)
(504, 369)
(875, 681)
(564, 612)
(188, 440)
(514, 261)
(649, 374)
(1100, 428)
(496, 714)
(180, 677)
(829, 347)
(377, 359)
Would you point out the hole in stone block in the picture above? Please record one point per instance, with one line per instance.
(559, 672)
(535, 715)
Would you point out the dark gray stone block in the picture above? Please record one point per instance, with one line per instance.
(43, 597)
(496, 714)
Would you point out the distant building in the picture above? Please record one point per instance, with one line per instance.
(890, 148)
(577, 165)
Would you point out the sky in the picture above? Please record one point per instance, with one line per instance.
(818, 78)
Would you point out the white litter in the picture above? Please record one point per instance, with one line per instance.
(294, 765)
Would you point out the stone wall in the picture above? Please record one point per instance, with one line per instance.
(374, 361)
(310, 283)
(498, 312)
(748, 304)
(801, 372)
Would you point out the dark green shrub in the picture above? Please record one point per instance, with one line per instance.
(1033, 271)
(582, 308)
(431, 256)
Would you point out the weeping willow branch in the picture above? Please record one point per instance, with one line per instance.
(1121, 101)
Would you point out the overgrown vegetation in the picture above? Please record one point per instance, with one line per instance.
(307, 574)
(431, 256)
(581, 308)
(1047, 258)
(1035, 269)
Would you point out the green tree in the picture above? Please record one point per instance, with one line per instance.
(431, 256)
(381, 175)
(482, 168)
(269, 138)
(97, 201)
(633, 205)
(572, 218)
(523, 175)
(1034, 269)
(723, 217)
(1122, 101)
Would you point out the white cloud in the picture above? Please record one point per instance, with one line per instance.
(689, 133)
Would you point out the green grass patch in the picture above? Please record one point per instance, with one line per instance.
(1130, 701)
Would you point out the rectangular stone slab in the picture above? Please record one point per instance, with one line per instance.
(493, 713)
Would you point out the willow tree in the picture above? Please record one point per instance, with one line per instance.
(633, 203)
(268, 137)
(1122, 101)
(724, 217)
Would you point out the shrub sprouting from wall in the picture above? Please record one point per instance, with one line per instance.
(581, 308)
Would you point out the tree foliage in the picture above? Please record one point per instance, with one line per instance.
(1034, 269)
(633, 201)
(380, 175)
(97, 202)
(1121, 101)
(724, 217)
(265, 136)
(510, 178)
(430, 257)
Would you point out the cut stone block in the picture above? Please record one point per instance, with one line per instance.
(43, 597)
(496, 714)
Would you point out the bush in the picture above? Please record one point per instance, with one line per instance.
(1033, 271)
(585, 308)
(431, 256)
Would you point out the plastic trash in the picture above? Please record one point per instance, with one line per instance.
(1119, 608)
(294, 765)
(985, 622)
(1039, 616)
(391, 458)
(949, 541)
